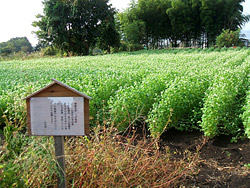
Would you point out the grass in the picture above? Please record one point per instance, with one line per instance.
(106, 158)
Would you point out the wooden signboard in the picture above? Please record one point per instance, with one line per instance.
(58, 110)
(55, 116)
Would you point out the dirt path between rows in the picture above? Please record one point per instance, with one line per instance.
(221, 163)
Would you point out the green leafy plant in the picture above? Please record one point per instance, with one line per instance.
(225, 98)
(229, 38)
(9, 177)
(146, 83)
(247, 165)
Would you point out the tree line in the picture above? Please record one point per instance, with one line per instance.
(188, 22)
(74, 27)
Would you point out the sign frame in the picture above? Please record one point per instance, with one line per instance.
(58, 89)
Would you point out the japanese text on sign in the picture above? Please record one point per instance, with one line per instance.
(57, 116)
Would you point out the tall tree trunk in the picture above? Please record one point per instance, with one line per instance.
(108, 49)
(147, 41)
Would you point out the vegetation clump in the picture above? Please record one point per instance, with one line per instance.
(106, 158)
(204, 90)
(229, 39)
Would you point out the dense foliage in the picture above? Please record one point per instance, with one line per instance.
(14, 45)
(180, 22)
(75, 26)
(229, 38)
(197, 89)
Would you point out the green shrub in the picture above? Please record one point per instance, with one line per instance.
(49, 51)
(229, 38)
(126, 46)
(9, 176)
(52, 51)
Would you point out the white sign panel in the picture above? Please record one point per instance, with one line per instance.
(57, 116)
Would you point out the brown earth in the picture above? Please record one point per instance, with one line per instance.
(221, 163)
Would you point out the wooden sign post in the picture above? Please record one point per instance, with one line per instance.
(58, 110)
(59, 152)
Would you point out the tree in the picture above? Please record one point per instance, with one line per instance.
(221, 14)
(18, 44)
(132, 28)
(109, 37)
(74, 26)
(187, 21)
(146, 22)
(229, 38)
(180, 16)
(157, 22)
(233, 15)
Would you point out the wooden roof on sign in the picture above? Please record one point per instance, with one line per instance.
(53, 84)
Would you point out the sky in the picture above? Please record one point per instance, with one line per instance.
(16, 17)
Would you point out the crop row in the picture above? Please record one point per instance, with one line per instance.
(201, 90)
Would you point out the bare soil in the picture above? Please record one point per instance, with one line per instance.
(221, 163)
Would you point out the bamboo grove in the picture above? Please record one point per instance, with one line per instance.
(157, 23)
